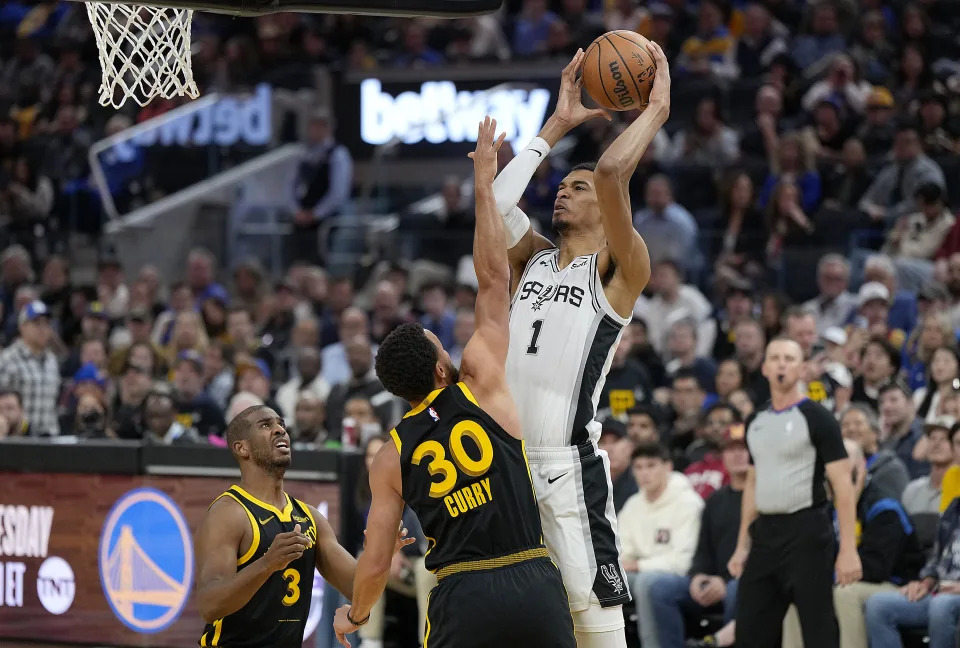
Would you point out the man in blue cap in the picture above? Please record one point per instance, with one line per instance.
(31, 369)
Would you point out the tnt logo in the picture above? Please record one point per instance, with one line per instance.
(56, 586)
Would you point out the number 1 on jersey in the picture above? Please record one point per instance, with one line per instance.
(533, 349)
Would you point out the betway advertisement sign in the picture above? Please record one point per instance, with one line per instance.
(438, 118)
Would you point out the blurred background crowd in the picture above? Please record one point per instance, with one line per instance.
(806, 185)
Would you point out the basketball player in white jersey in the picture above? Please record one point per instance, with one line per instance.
(569, 307)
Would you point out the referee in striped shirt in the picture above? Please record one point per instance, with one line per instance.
(786, 552)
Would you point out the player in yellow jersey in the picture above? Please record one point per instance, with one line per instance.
(458, 460)
(257, 547)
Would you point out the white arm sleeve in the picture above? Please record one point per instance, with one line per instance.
(513, 180)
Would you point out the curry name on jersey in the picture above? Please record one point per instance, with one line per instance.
(276, 615)
(466, 479)
(563, 334)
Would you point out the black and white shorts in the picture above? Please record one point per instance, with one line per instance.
(575, 497)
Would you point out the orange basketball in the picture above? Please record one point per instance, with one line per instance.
(618, 71)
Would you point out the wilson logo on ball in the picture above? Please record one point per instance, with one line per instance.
(620, 86)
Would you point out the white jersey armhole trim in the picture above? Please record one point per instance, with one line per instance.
(600, 297)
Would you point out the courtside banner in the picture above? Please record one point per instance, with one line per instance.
(108, 559)
(433, 113)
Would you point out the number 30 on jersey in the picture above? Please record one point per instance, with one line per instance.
(440, 465)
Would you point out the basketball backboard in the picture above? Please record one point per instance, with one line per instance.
(401, 8)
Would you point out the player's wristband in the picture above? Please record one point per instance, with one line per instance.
(515, 225)
(358, 623)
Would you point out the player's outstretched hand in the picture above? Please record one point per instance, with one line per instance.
(660, 93)
(286, 548)
(570, 109)
(402, 539)
(342, 626)
(485, 156)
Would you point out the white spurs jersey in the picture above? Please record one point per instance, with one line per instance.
(563, 333)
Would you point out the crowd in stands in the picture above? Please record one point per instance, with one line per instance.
(806, 185)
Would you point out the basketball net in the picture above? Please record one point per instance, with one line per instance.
(144, 52)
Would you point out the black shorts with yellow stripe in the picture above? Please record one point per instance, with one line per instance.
(522, 605)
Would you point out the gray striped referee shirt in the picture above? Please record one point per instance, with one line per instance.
(789, 450)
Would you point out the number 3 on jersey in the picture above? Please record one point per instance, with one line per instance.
(440, 465)
(292, 576)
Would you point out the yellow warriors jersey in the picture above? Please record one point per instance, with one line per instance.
(276, 615)
(466, 479)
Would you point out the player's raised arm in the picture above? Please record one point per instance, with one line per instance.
(509, 186)
(373, 566)
(612, 177)
(487, 349)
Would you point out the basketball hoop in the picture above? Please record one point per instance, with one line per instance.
(144, 52)
(145, 49)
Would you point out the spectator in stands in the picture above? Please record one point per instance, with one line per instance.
(219, 375)
(385, 314)
(322, 186)
(903, 303)
(707, 584)
(686, 400)
(873, 315)
(463, 328)
(932, 602)
(12, 421)
(90, 421)
(705, 467)
(793, 163)
(901, 429)
(674, 299)
(879, 363)
(942, 375)
(739, 252)
(15, 271)
(832, 307)
(790, 227)
(873, 51)
(824, 37)
(248, 284)
(307, 379)
(879, 128)
(336, 369)
(916, 237)
(828, 134)
(914, 76)
(935, 330)
(939, 135)
(627, 384)
(643, 424)
(711, 51)
(30, 368)
(254, 377)
(669, 229)
(437, 317)
(56, 288)
(760, 42)
(658, 529)
(362, 382)
(194, 408)
(749, 345)
(729, 378)
(709, 142)
(681, 352)
(181, 300)
(619, 448)
(888, 549)
(127, 406)
(842, 85)
(30, 198)
(531, 29)
(738, 306)
(161, 424)
(887, 473)
(309, 417)
(923, 494)
(625, 14)
(892, 194)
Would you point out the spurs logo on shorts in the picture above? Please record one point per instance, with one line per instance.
(612, 573)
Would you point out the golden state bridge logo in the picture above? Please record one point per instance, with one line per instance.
(146, 560)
